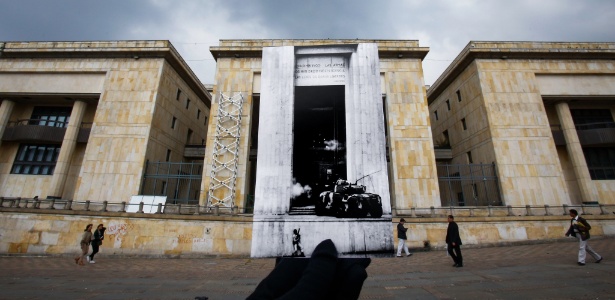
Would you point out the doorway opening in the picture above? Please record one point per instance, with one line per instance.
(319, 142)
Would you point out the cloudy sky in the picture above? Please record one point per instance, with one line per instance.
(445, 26)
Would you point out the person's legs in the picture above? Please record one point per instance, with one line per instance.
(406, 249)
(449, 248)
(582, 246)
(458, 255)
(400, 246)
(95, 248)
(591, 251)
(84, 252)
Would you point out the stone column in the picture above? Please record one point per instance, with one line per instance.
(575, 151)
(66, 151)
(6, 108)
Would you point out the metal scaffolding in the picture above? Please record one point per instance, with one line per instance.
(225, 151)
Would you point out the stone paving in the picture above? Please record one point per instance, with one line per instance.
(536, 271)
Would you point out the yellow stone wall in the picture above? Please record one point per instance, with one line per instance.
(26, 231)
(412, 160)
(61, 233)
(498, 230)
(507, 122)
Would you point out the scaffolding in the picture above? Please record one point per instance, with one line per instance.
(225, 153)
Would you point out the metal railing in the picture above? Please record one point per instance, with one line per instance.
(196, 209)
(122, 207)
(41, 130)
(180, 182)
(505, 211)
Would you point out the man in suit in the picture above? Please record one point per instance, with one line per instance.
(579, 228)
(453, 242)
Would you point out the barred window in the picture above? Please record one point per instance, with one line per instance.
(50, 116)
(36, 159)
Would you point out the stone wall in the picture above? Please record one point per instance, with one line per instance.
(508, 121)
(57, 232)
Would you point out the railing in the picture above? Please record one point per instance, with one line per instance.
(40, 130)
(122, 207)
(195, 209)
(591, 134)
(505, 211)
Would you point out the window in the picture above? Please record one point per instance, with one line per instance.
(187, 103)
(435, 113)
(50, 116)
(600, 162)
(173, 122)
(179, 93)
(463, 124)
(587, 119)
(189, 137)
(458, 95)
(469, 155)
(448, 104)
(168, 155)
(36, 159)
(198, 114)
(447, 142)
(205, 121)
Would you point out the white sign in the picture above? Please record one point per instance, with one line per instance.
(150, 203)
(321, 70)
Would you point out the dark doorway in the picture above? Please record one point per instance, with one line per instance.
(319, 149)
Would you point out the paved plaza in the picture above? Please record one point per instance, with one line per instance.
(537, 271)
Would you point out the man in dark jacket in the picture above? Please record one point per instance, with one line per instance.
(579, 228)
(453, 241)
(401, 236)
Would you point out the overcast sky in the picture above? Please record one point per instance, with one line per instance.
(445, 26)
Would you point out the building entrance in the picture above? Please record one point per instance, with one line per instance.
(319, 146)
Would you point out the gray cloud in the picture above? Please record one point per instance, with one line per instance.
(445, 26)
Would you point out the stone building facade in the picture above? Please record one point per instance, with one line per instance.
(542, 112)
(409, 146)
(79, 120)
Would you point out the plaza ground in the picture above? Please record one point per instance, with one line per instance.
(534, 271)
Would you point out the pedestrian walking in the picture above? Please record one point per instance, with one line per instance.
(86, 238)
(453, 242)
(579, 228)
(99, 236)
(401, 236)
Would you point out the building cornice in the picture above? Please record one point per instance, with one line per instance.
(518, 50)
(160, 49)
(254, 48)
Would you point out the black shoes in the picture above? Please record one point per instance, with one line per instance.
(581, 264)
(457, 265)
(598, 261)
